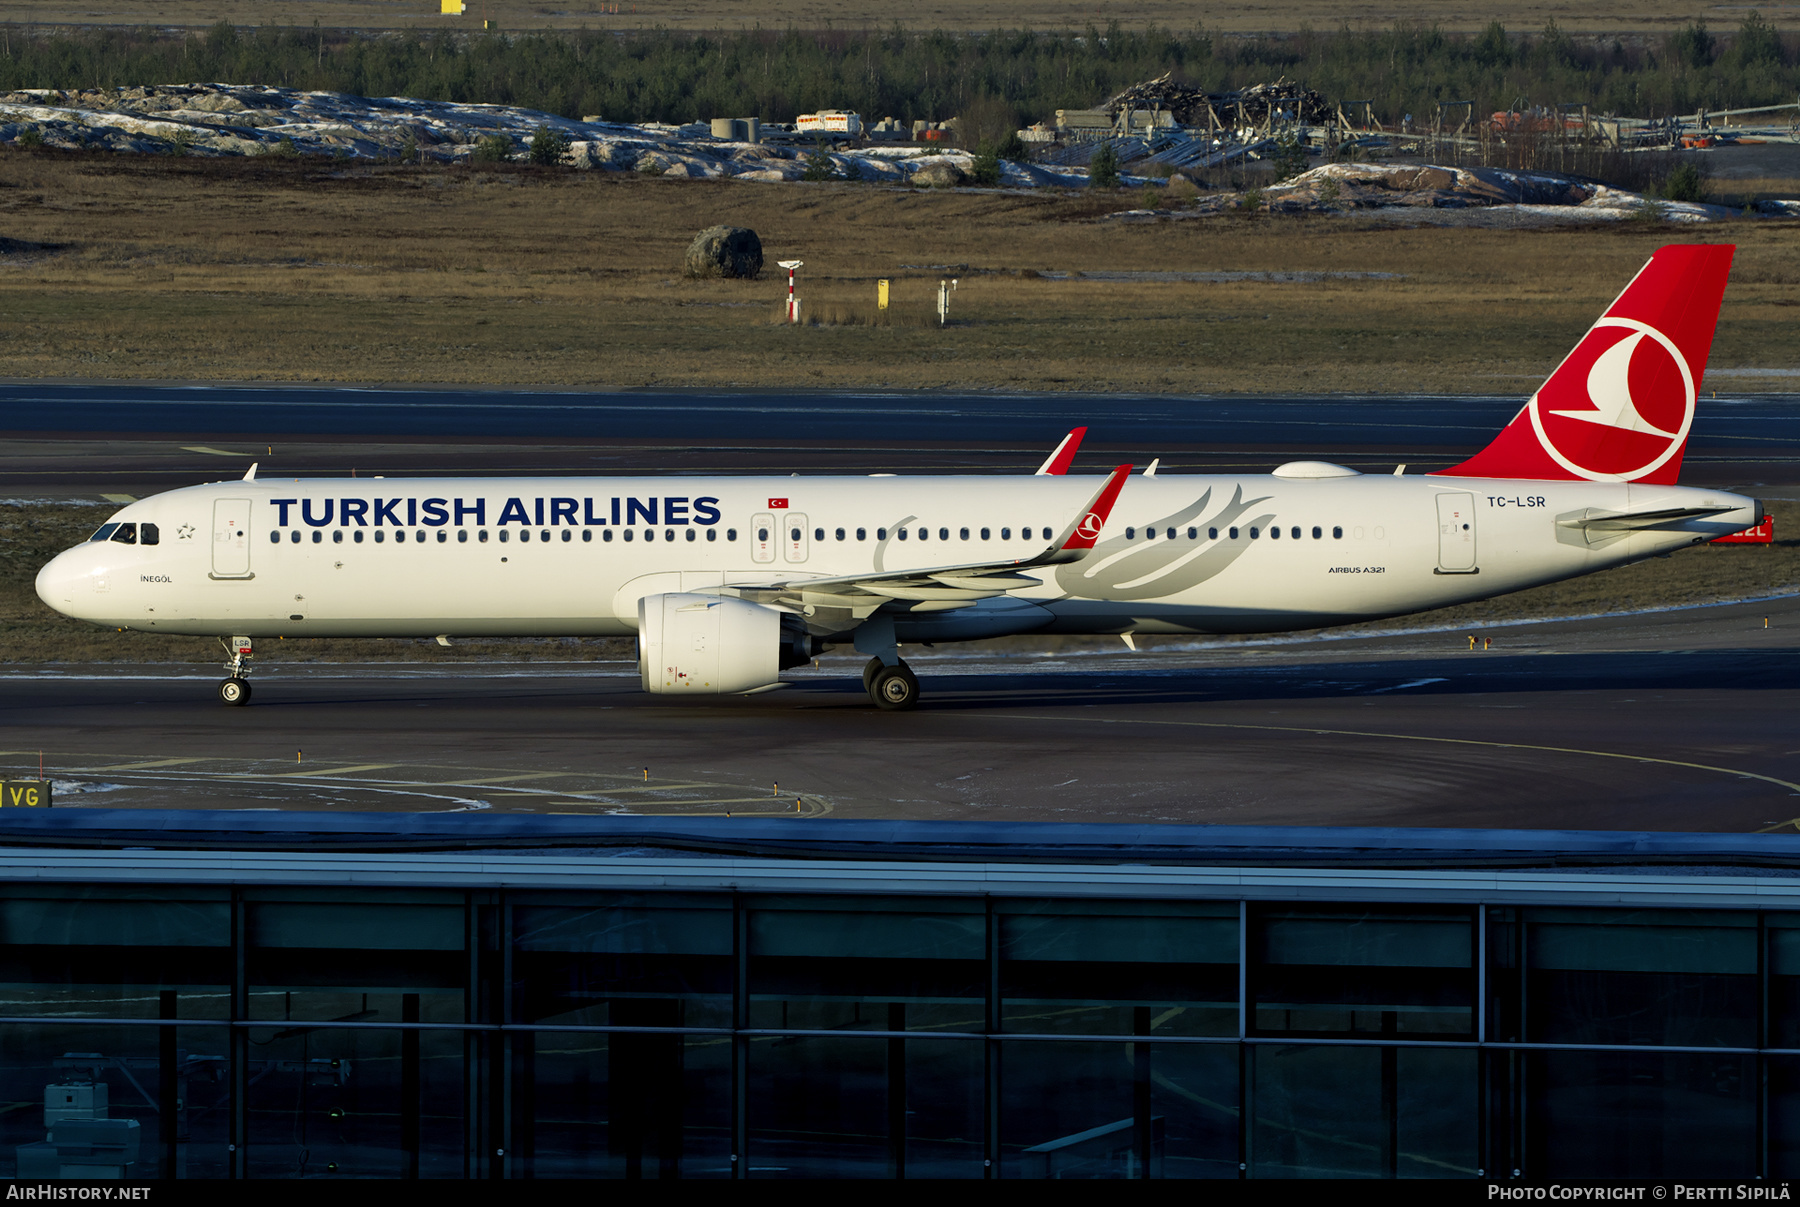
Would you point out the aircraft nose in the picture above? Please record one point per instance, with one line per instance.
(57, 581)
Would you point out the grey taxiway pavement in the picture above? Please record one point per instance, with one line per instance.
(1680, 720)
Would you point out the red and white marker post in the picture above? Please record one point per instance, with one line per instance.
(793, 303)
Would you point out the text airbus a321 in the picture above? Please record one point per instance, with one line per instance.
(727, 581)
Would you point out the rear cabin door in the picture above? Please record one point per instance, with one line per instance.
(793, 533)
(231, 538)
(1456, 533)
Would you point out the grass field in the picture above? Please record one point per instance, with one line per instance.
(960, 15)
(262, 269)
(31, 534)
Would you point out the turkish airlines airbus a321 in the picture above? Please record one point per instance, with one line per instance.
(726, 581)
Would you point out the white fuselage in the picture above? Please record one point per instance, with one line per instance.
(572, 556)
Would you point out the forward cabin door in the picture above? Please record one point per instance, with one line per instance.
(1456, 533)
(231, 538)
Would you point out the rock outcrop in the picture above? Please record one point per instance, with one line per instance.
(725, 251)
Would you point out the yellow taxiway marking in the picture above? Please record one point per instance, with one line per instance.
(1414, 737)
(216, 452)
(144, 766)
(337, 770)
(120, 498)
(505, 779)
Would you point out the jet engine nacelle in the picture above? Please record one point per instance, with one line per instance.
(708, 644)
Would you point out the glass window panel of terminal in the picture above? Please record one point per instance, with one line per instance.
(1362, 971)
(1783, 1074)
(1118, 968)
(73, 1084)
(1074, 1109)
(825, 1107)
(103, 952)
(623, 1105)
(1782, 933)
(1362, 1112)
(1638, 1115)
(1676, 977)
(623, 960)
(878, 964)
(335, 956)
(355, 1102)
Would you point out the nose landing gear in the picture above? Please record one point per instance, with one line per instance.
(235, 689)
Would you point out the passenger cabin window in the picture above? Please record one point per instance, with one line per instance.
(1337, 534)
(819, 534)
(689, 531)
(944, 534)
(1131, 534)
(1274, 533)
(712, 534)
(881, 534)
(985, 534)
(1006, 534)
(1212, 534)
(862, 534)
(1295, 533)
(1317, 532)
(731, 534)
(840, 534)
(337, 536)
(965, 534)
(607, 535)
(587, 534)
(1193, 534)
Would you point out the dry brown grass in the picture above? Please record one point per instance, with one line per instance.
(1517, 15)
(31, 633)
(259, 269)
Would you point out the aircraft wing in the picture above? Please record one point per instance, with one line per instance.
(933, 588)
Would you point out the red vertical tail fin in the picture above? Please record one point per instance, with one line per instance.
(1619, 407)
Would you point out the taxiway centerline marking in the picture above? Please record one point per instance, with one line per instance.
(140, 766)
(334, 770)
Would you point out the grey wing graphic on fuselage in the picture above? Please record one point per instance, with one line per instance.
(1127, 568)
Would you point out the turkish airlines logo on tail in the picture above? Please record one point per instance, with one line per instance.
(1620, 406)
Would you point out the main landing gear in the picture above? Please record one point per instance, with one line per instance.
(235, 690)
(894, 688)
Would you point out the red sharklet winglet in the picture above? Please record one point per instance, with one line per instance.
(1063, 455)
(1081, 536)
(1620, 406)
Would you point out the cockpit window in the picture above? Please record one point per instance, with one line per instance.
(105, 531)
(125, 534)
(148, 534)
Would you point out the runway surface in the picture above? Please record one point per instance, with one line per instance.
(1667, 721)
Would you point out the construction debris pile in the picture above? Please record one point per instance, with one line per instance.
(1342, 187)
(232, 119)
(1250, 106)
